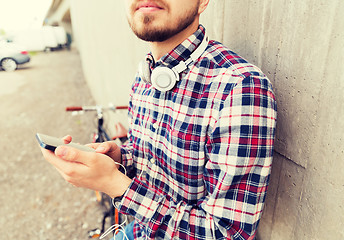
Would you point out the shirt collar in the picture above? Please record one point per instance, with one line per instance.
(180, 53)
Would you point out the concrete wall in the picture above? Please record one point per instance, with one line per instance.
(300, 46)
(110, 53)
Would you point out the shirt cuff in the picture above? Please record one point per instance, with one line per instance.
(116, 201)
(127, 159)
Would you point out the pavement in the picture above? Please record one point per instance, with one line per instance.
(35, 202)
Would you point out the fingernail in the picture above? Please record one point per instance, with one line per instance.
(61, 151)
(100, 149)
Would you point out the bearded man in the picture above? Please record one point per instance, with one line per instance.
(201, 133)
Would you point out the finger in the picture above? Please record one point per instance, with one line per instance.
(60, 164)
(47, 153)
(111, 149)
(106, 147)
(71, 154)
(93, 145)
(67, 139)
(65, 176)
(67, 153)
(69, 171)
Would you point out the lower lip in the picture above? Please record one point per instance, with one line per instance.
(149, 9)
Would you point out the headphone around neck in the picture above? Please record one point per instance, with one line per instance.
(164, 78)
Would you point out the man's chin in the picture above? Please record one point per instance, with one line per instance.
(150, 33)
(152, 36)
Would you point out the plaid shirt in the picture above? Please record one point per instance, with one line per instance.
(201, 152)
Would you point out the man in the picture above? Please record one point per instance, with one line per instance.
(201, 149)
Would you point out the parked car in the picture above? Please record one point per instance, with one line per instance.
(11, 55)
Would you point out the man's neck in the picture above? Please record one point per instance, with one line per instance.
(159, 49)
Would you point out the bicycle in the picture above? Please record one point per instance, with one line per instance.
(101, 135)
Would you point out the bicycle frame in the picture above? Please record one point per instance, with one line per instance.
(101, 136)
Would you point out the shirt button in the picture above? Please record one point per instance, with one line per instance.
(152, 160)
(155, 125)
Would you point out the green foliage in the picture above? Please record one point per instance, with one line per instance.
(33, 53)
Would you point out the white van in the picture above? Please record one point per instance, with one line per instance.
(45, 38)
(60, 36)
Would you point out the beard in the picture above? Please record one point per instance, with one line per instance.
(159, 34)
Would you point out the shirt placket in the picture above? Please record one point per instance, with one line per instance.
(159, 108)
(147, 133)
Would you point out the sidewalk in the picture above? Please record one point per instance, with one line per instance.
(36, 203)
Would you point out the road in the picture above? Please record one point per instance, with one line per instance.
(35, 202)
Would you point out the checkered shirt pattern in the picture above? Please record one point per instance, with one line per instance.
(202, 152)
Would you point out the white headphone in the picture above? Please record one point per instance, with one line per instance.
(164, 78)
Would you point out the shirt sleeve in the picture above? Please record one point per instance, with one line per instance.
(127, 147)
(239, 156)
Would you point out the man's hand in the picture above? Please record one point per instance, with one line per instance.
(96, 171)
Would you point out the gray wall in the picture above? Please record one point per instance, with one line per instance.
(110, 53)
(300, 46)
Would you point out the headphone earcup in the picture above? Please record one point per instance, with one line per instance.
(164, 78)
(145, 72)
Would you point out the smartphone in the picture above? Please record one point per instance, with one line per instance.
(51, 143)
